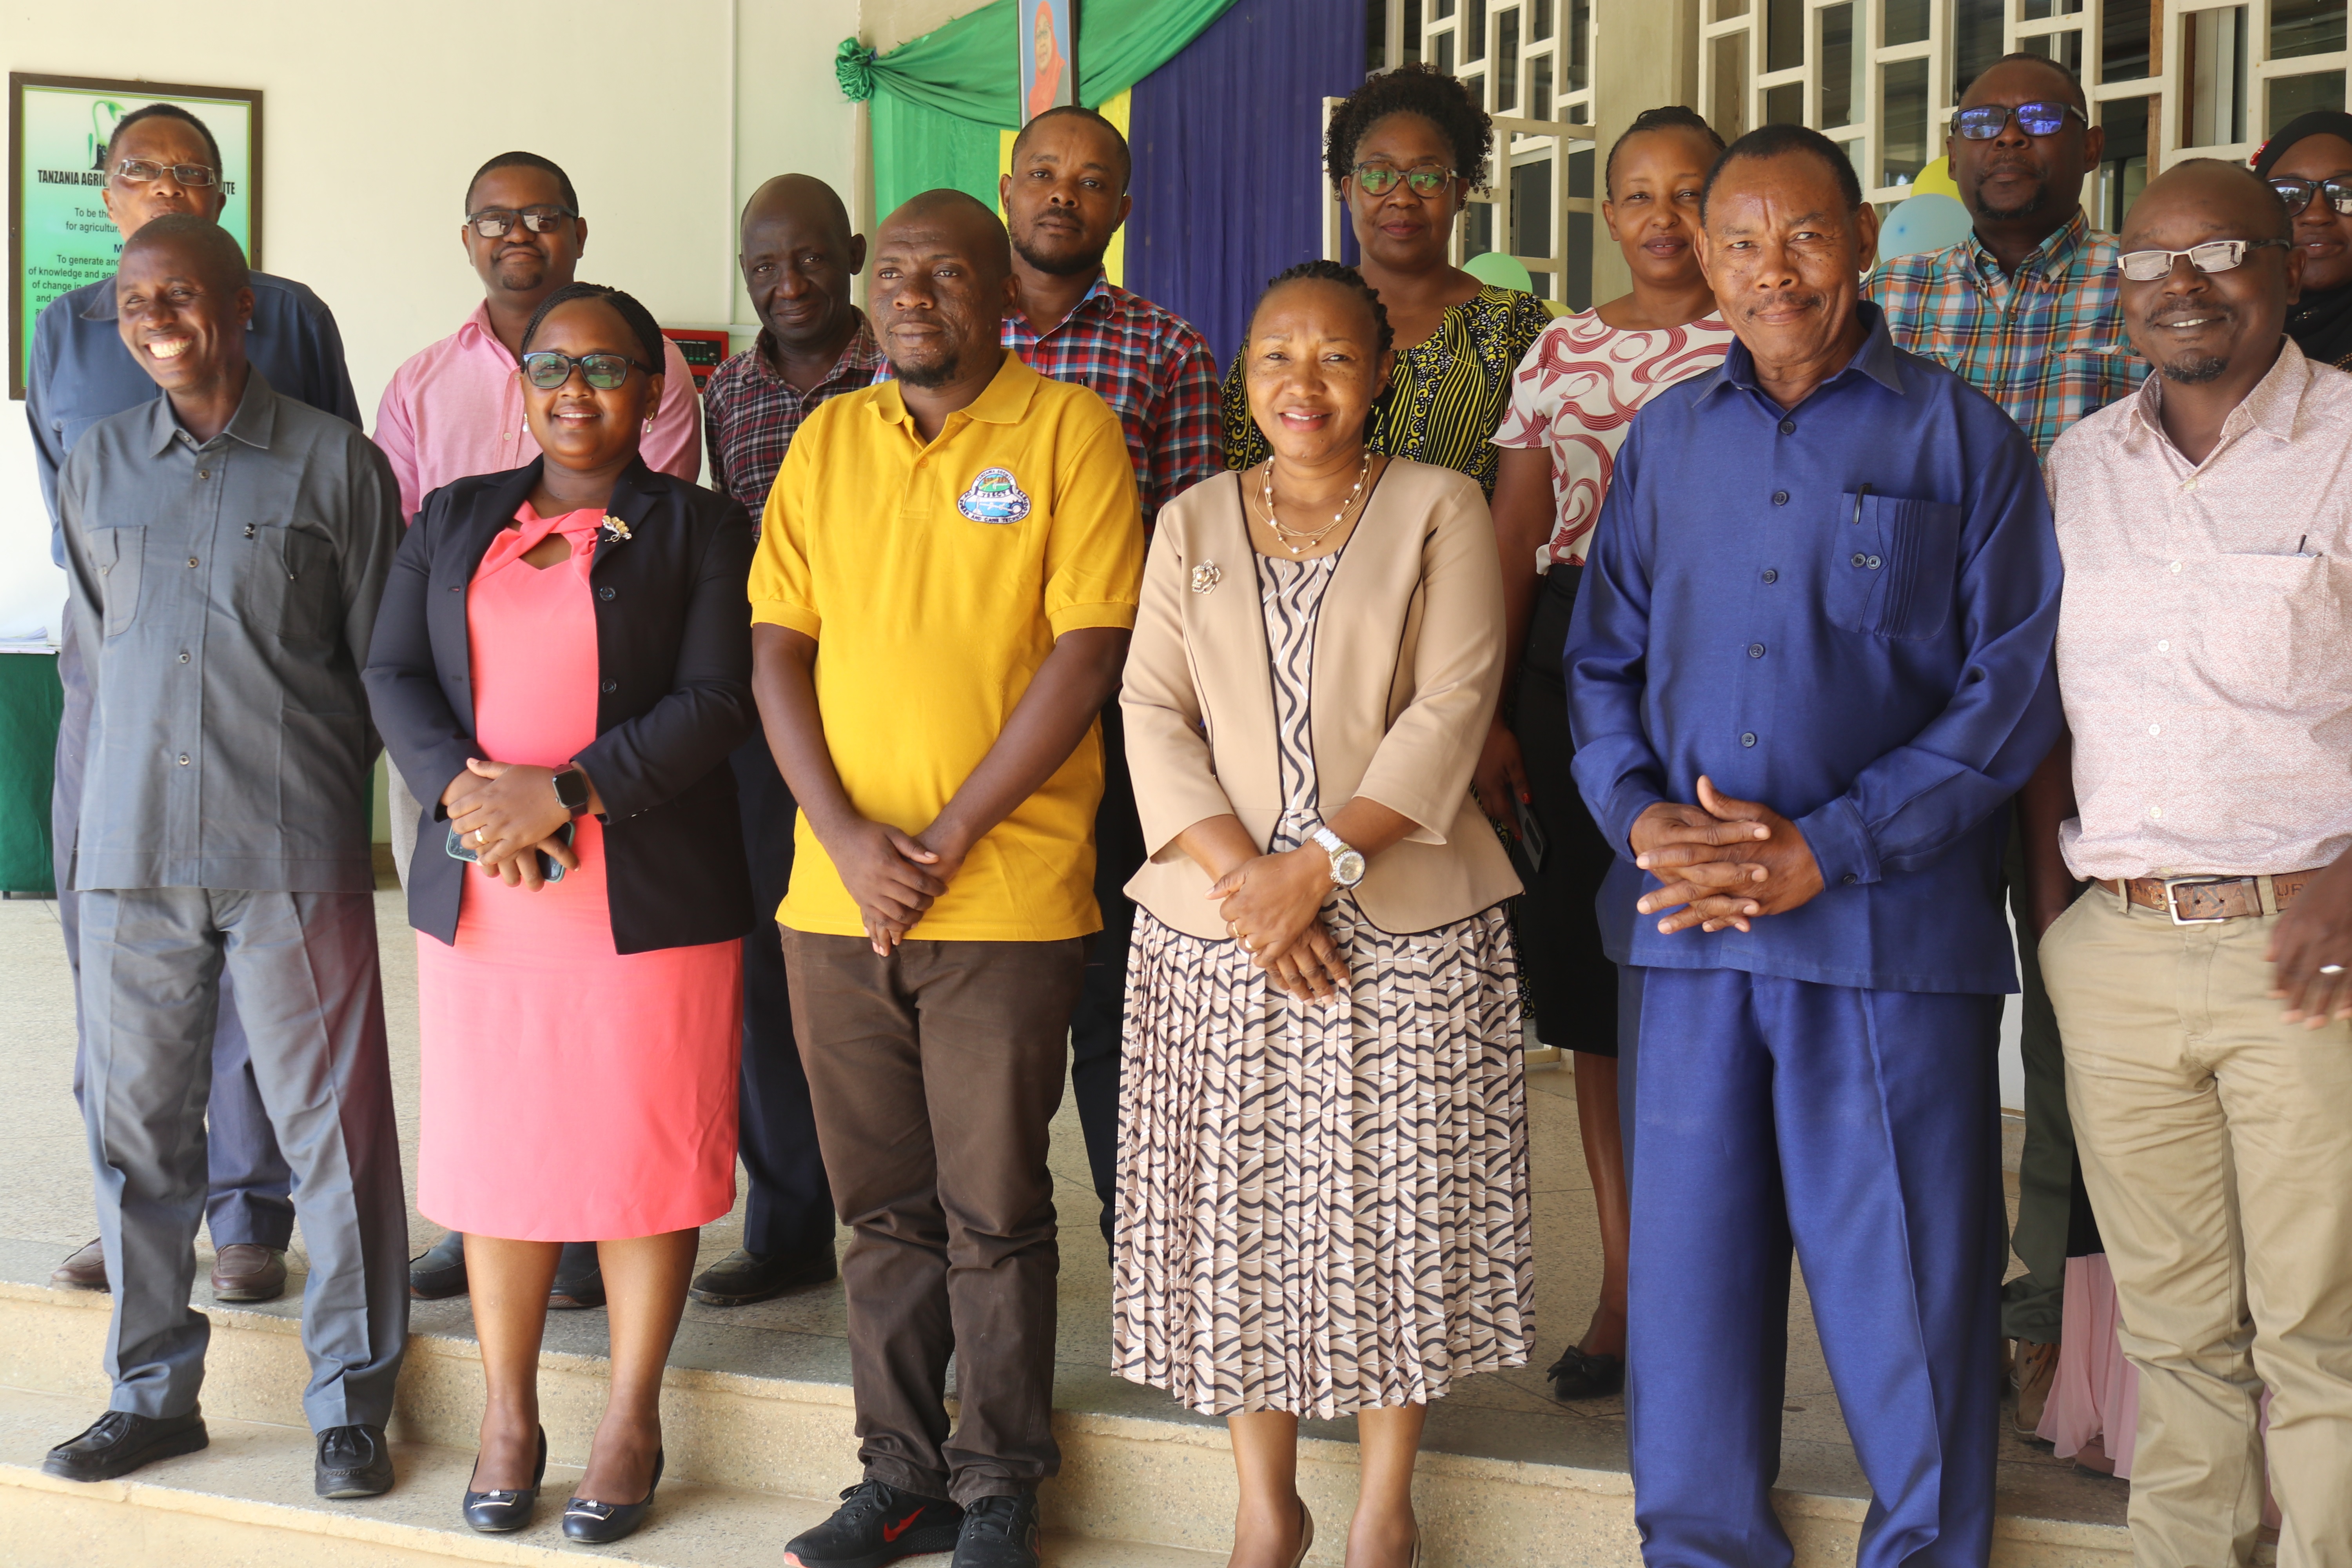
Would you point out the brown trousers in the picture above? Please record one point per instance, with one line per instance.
(2217, 1145)
(934, 1073)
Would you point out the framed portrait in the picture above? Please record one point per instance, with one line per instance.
(59, 237)
(1049, 74)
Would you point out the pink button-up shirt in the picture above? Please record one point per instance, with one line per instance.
(455, 408)
(2205, 635)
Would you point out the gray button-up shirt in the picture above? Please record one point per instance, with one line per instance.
(223, 595)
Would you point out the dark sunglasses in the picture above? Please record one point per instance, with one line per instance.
(546, 369)
(146, 172)
(2298, 193)
(1987, 121)
(1379, 180)
(495, 223)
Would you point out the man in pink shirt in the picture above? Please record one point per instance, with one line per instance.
(455, 409)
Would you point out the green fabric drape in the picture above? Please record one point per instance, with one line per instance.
(940, 100)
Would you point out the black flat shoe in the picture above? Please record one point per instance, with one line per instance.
(354, 1462)
(503, 1512)
(744, 1277)
(579, 1279)
(1576, 1375)
(594, 1523)
(118, 1442)
(439, 1272)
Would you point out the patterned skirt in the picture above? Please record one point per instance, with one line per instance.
(1322, 1206)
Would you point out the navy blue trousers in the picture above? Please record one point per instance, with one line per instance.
(1860, 1128)
(790, 1206)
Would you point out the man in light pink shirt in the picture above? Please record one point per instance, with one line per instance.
(2205, 660)
(455, 409)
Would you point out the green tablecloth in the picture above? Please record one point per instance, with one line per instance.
(31, 703)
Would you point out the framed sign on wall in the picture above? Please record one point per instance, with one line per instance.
(59, 237)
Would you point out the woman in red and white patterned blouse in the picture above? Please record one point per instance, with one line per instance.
(1571, 401)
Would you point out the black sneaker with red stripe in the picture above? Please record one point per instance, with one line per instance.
(877, 1523)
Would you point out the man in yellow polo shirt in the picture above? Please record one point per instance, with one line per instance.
(947, 576)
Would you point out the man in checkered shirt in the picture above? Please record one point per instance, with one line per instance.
(2025, 311)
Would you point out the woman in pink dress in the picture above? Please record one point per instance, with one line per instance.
(565, 649)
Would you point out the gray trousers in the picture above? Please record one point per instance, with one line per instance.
(2048, 1173)
(247, 1177)
(312, 997)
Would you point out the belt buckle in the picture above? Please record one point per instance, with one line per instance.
(2172, 901)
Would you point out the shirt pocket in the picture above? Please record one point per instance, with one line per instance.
(1892, 566)
(2276, 633)
(288, 587)
(115, 554)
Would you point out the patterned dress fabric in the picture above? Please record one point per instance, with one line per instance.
(1448, 394)
(1322, 1206)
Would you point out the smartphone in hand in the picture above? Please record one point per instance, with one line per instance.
(551, 870)
(1532, 833)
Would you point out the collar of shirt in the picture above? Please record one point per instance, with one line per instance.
(1877, 358)
(2046, 263)
(1003, 401)
(255, 421)
(2270, 408)
(860, 356)
(1101, 299)
(476, 334)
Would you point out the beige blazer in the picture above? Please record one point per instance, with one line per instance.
(1408, 662)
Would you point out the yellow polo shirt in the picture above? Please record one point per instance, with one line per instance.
(935, 579)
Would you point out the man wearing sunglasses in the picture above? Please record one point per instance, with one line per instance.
(2024, 310)
(454, 409)
(2205, 525)
(162, 160)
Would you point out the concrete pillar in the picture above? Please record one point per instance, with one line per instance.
(1646, 53)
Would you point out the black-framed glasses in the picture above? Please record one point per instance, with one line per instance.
(1379, 180)
(2040, 117)
(2298, 193)
(497, 222)
(2213, 256)
(546, 369)
(146, 172)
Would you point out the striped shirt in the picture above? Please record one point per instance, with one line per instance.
(1449, 394)
(2047, 344)
(750, 414)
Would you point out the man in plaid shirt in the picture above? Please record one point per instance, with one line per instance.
(2026, 311)
(1064, 198)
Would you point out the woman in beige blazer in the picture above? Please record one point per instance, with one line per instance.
(1322, 1204)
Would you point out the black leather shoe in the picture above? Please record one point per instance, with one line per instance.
(594, 1523)
(354, 1462)
(999, 1533)
(877, 1523)
(579, 1279)
(1576, 1375)
(440, 1272)
(741, 1278)
(502, 1513)
(118, 1443)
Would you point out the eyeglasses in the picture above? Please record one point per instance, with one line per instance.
(2213, 256)
(2298, 194)
(1987, 121)
(497, 222)
(1379, 180)
(547, 370)
(146, 171)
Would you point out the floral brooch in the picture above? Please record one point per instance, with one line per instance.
(1205, 576)
(615, 529)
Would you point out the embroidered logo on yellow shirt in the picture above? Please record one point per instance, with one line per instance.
(994, 498)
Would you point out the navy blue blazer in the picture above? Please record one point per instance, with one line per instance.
(674, 681)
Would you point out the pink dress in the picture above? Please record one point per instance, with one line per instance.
(570, 1093)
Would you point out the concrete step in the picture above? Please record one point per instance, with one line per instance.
(757, 1421)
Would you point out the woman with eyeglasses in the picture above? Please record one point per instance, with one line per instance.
(1404, 151)
(2309, 164)
(564, 654)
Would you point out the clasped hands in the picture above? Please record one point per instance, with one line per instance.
(1272, 905)
(1722, 861)
(505, 811)
(895, 876)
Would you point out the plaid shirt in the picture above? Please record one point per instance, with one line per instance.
(750, 414)
(2047, 344)
(1154, 371)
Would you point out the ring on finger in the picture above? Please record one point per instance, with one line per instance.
(2331, 969)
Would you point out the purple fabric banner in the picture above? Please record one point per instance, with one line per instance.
(1228, 140)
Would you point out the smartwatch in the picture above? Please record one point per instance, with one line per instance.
(572, 790)
(1347, 861)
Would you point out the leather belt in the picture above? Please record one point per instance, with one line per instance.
(2204, 900)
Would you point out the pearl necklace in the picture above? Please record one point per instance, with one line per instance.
(1300, 541)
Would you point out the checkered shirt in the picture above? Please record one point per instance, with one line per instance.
(2047, 344)
(750, 413)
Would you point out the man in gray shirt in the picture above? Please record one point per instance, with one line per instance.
(226, 546)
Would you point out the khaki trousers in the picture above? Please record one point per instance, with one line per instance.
(2217, 1145)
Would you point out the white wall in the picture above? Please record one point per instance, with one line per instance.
(374, 118)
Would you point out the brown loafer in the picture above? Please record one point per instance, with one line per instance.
(2032, 1371)
(248, 1271)
(85, 1270)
